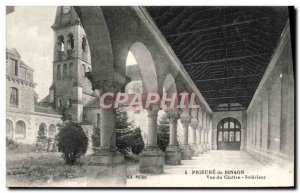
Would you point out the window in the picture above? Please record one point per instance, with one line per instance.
(231, 136)
(9, 129)
(229, 123)
(65, 70)
(43, 128)
(60, 43)
(14, 67)
(52, 131)
(83, 70)
(83, 44)
(71, 71)
(58, 72)
(14, 97)
(20, 129)
(225, 136)
(237, 136)
(70, 42)
(225, 125)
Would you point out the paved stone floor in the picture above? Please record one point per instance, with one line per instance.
(189, 172)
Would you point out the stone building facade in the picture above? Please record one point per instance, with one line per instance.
(23, 116)
(71, 91)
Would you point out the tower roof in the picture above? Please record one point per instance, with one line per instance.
(65, 16)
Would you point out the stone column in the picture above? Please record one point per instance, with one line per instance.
(214, 139)
(194, 146)
(199, 133)
(186, 151)
(106, 166)
(152, 158)
(173, 153)
(207, 140)
(203, 131)
(202, 139)
(208, 133)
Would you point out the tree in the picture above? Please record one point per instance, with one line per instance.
(66, 115)
(124, 129)
(137, 142)
(41, 140)
(163, 133)
(71, 141)
(127, 138)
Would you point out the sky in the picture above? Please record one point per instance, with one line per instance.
(28, 29)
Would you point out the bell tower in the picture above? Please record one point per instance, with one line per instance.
(71, 61)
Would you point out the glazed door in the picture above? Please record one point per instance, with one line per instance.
(229, 134)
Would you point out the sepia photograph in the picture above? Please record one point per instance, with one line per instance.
(150, 96)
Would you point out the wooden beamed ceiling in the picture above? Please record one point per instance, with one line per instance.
(225, 50)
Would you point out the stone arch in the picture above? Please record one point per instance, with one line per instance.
(58, 72)
(146, 65)
(97, 35)
(60, 43)
(70, 41)
(9, 129)
(65, 70)
(169, 89)
(20, 131)
(71, 70)
(84, 46)
(228, 134)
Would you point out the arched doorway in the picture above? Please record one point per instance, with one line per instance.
(20, 132)
(229, 134)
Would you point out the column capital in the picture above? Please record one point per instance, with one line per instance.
(185, 120)
(107, 85)
(152, 112)
(173, 115)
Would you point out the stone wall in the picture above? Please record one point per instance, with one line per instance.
(270, 114)
(32, 122)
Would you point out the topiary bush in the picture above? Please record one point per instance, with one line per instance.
(137, 142)
(71, 141)
(41, 140)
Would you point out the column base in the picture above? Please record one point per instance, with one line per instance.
(214, 147)
(152, 160)
(194, 149)
(186, 152)
(200, 148)
(106, 169)
(208, 147)
(173, 155)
